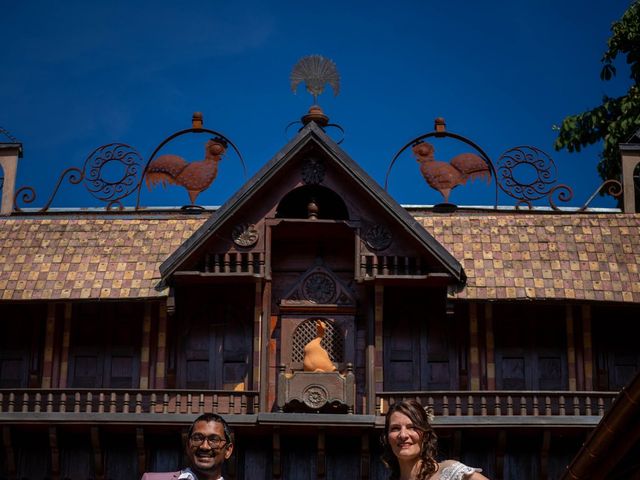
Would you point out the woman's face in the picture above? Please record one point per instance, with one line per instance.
(405, 440)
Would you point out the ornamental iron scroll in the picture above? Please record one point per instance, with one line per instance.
(525, 173)
(110, 173)
(102, 162)
(115, 171)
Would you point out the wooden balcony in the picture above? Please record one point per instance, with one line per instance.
(503, 408)
(116, 405)
(451, 408)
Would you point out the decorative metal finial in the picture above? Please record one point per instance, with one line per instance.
(315, 71)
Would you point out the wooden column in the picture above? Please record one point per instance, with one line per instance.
(321, 466)
(55, 453)
(474, 352)
(142, 458)
(267, 350)
(365, 457)
(378, 329)
(544, 455)
(257, 338)
(8, 452)
(370, 354)
(588, 347)
(49, 342)
(571, 348)
(276, 465)
(490, 347)
(501, 448)
(98, 459)
(161, 356)
(66, 343)
(145, 350)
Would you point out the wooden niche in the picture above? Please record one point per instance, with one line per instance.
(318, 296)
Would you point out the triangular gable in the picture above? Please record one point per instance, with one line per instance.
(377, 195)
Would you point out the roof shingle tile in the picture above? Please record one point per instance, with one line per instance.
(518, 256)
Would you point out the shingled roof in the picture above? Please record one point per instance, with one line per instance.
(505, 256)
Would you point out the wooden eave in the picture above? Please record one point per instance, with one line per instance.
(609, 443)
(242, 197)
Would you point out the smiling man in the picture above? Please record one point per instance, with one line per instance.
(208, 446)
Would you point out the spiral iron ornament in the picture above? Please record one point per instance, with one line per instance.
(543, 182)
(122, 158)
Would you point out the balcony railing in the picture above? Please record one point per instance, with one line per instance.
(503, 403)
(120, 401)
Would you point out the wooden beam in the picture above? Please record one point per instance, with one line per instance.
(258, 320)
(544, 455)
(500, 452)
(588, 347)
(321, 467)
(266, 346)
(490, 347)
(365, 458)
(276, 467)
(49, 342)
(474, 352)
(140, 450)
(66, 342)
(457, 444)
(8, 452)
(571, 348)
(55, 453)
(370, 353)
(145, 350)
(378, 329)
(98, 458)
(161, 355)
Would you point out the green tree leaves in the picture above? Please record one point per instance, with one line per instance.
(616, 120)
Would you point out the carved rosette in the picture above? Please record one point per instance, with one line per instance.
(313, 171)
(319, 288)
(315, 396)
(245, 235)
(378, 237)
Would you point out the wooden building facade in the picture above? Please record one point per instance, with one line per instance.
(518, 328)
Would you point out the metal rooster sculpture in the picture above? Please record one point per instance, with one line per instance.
(443, 176)
(194, 176)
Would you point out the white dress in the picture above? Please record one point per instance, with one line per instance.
(452, 470)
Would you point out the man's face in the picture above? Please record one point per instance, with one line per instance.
(208, 457)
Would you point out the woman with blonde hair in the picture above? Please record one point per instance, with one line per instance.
(410, 447)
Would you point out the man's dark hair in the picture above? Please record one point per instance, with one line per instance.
(213, 417)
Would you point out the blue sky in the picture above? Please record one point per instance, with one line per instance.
(77, 75)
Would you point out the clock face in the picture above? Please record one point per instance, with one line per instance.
(319, 288)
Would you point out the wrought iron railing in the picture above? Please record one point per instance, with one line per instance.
(503, 403)
(121, 401)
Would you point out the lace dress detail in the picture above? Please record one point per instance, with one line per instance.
(457, 471)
